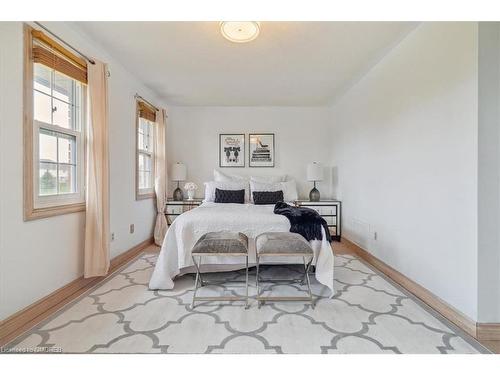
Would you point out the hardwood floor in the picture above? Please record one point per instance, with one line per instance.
(152, 249)
(493, 345)
(341, 248)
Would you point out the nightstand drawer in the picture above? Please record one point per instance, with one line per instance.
(175, 209)
(317, 209)
(330, 210)
(330, 220)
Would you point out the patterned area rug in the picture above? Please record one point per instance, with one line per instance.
(367, 315)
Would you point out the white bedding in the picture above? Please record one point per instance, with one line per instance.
(252, 220)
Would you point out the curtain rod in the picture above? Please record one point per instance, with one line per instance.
(66, 43)
(137, 96)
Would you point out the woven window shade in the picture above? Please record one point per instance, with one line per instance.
(146, 112)
(53, 55)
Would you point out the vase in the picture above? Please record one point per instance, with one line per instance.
(190, 195)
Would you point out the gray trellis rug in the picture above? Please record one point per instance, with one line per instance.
(367, 315)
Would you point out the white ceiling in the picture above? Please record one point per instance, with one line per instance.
(290, 63)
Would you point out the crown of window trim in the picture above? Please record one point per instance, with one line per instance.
(60, 64)
(85, 57)
(141, 99)
(51, 54)
(79, 61)
(39, 35)
(146, 111)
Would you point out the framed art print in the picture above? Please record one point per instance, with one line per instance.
(231, 150)
(261, 150)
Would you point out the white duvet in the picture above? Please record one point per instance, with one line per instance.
(252, 220)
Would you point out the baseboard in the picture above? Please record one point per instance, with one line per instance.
(30, 316)
(488, 331)
(446, 310)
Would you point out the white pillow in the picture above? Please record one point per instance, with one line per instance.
(223, 177)
(268, 179)
(264, 186)
(231, 185)
(289, 189)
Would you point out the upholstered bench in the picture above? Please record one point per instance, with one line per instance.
(284, 244)
(219, 244)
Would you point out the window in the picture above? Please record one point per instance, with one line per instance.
(55, 103)
(145, 176)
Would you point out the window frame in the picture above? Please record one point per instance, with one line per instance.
(35, 206)
(141, 194)
(59, 199)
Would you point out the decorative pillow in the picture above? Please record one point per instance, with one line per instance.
(289, 188)
(229, 196)
(223, 177)
(267, 197)
(268, 179)
(233, 185)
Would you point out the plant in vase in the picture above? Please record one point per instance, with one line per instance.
(190, 187)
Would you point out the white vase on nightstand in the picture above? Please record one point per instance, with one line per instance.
(190, 188)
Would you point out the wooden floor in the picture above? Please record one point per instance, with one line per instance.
(340, 248)
(493, 345)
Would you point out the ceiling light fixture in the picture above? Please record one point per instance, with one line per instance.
(240, 31)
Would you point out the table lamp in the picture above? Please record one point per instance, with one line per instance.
(314, 173)
(179, 173)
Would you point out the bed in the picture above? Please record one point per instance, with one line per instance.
(175, 255)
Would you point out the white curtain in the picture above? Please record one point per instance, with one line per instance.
(96, 262)
(161, 179)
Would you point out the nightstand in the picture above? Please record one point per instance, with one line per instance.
(330, 210)
(175, 208)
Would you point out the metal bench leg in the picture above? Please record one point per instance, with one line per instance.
(259, 303)
(246, 283)
(306, 270)
(304, 279)
(198, 278)
(197, 266)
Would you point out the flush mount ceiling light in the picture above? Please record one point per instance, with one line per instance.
(240, 31)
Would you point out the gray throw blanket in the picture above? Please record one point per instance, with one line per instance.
(304, 221)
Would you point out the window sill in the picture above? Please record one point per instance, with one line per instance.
(142, 196)
(41, 213)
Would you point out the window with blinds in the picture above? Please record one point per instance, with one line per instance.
(146, 119)
(57, 81)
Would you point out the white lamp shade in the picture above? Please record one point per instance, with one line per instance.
(314, 172)
(179, 172)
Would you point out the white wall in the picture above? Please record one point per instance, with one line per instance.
(405, 149)
(41, 256)
(489, 173)
(302, 135)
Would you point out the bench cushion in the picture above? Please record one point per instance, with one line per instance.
(224, 242)
(279, 243)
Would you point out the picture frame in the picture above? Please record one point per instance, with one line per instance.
(232, 150)
(261, 150)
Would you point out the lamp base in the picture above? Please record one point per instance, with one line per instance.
(178, 195)
(314, 195)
